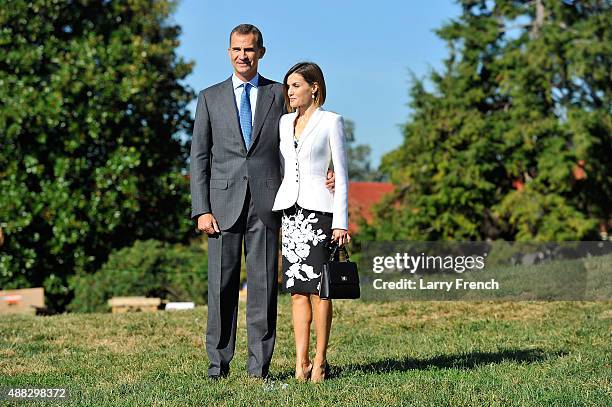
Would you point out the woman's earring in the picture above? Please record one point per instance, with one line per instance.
(313, 95)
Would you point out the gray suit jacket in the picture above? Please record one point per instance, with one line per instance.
(221, 166)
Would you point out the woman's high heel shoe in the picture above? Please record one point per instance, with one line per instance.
(319, 372)
(302, 374)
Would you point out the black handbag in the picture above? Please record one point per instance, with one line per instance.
(339, 279)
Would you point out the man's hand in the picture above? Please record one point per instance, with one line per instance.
(330, 183)
(208, 224)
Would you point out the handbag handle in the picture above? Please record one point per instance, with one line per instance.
(334, 251)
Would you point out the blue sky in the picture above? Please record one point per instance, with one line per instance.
(365, 49)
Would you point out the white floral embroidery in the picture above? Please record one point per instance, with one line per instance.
(302, 250)
(297, 234)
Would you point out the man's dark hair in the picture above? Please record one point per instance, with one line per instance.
(245, 29)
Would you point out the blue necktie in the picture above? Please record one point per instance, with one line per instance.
(245, 115)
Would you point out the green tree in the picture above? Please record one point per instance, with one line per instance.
(358, 156)
(92, 102)
(514, 141)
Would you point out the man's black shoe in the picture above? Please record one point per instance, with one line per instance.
(223, 373)
(265, 377)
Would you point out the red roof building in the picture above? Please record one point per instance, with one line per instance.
(362, 196)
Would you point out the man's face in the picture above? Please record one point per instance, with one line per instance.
(244, 55)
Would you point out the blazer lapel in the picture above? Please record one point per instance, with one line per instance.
(265, 97)
(288, 133)
(310, 126)
(233, 119)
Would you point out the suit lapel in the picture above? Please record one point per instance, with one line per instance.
(233, 119)
(310, 126)
(265, 97)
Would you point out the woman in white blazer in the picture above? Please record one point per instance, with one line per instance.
(312, 215)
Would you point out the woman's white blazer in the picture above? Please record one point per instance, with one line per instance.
(305, 167)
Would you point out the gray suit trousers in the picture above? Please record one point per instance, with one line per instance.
(224, 255)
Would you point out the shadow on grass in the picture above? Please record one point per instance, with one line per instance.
(462, 361)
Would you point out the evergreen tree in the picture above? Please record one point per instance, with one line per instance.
(358, 156)
(514, 141)
(92, 102)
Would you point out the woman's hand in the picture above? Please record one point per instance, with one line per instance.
(341, 237)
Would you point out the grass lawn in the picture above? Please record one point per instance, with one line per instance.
(395, 353)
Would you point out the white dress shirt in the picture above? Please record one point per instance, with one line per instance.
(305, 167)
(238, 89)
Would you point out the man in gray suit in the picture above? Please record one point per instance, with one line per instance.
(235, 175)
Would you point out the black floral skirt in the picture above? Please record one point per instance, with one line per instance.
(304, 237)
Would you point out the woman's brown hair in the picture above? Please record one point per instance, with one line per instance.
(311, 74)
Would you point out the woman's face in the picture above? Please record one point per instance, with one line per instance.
(300, 92)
